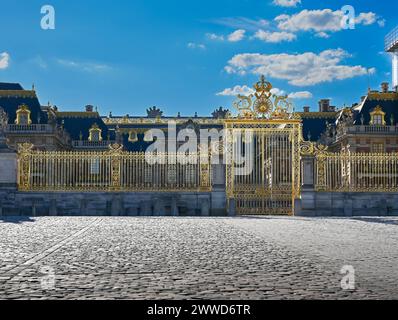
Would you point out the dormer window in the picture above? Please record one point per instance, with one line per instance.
(95, 133)
(377, 117)
(148, 137)
(133, 137)
(23, 115)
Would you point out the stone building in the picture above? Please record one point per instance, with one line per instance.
(368, 127)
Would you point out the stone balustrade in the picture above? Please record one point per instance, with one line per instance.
(86, 144)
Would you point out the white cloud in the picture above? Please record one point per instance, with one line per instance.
(300, 95)
(84, 66)
(193, 45)
(246, 91)
(274, 37)
(318, 21)
(366, 18)
(213, 36)
(237, 35)
(287, 3)
(292, 95)
(242, 90)
(4, 60)
(278, 92)
(304, 69)
(322, 35)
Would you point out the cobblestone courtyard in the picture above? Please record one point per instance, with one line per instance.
(194, 258)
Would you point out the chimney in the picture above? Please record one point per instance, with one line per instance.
(324, 105)
(306, 109)
(89, 108)
(385, 87)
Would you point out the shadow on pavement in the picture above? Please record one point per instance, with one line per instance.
(16, 219)
(378, 220)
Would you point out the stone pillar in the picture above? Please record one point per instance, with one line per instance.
(146, 208)
(8, 169)
(232, 208)
(305, 205)
(174, 207)
(308, 172)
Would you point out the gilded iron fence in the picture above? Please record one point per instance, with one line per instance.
(111, 171)
(356, 172)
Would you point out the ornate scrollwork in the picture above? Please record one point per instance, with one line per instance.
(115, 150)
(244, 105)
(25, 147)
(308, 148)
(263, 103)
(25, 152)
(116, 147)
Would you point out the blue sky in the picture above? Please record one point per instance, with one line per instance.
(188, 56)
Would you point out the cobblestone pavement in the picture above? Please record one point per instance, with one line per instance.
(196, 258)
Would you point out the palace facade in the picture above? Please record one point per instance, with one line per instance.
(67, 162)
(370, 125)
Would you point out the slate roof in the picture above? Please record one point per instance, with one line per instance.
(75, 124)
(363, 110)
(316, 125)
(10, 86)
(11, 102)
(138, 146)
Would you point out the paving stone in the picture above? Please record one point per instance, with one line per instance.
(188, 258)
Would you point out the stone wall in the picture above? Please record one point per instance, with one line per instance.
(341, 204)
(347, 204)
(116, 204)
